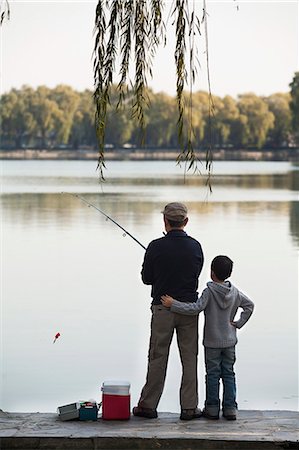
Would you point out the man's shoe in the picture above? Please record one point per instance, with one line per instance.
(230, 413)
(148, 413)
(210, 414)
(189, 414)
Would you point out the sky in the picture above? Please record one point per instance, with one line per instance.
(253, 47)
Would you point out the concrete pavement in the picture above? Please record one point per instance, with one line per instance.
(254, 430)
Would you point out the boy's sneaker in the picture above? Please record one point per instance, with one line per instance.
(145, 412)
(230, 413)
(189, 414)
(211, 412)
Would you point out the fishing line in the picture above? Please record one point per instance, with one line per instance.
(106, 215)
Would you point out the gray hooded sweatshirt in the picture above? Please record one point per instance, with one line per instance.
(220, 302)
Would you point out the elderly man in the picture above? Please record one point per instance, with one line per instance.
(172, 265)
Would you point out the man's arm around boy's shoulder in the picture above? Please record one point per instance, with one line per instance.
(186, 308)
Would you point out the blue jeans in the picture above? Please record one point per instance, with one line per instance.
(220, 364)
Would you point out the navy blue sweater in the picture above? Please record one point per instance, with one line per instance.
(172, 265)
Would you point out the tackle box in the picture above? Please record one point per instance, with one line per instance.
(79, 410)
(115, 400)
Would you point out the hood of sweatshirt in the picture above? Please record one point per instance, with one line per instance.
(223, 294)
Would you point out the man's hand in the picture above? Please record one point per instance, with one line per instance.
(166, 300)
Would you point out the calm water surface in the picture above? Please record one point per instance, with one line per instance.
(65, 268)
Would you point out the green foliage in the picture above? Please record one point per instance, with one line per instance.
(160, 124)
(279, 105)
(259, 120)
(83, 129)
(43, 117)
(130, 31)
(67, 101)
(294, 105)
(17, 120)
(133, 32)
(226, 114)
(49, 118)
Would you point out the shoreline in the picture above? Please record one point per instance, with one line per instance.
(287, 155)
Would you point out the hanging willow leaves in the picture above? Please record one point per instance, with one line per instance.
(130, 22)
(101, 93)
(131, 37)
(125, 44)
(142, 62)
(209, 154)
(133, 31)
(4, 11)
(187, 153)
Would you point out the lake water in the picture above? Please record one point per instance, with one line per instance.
(66, 269)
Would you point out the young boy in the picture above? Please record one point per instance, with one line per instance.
(220, 302)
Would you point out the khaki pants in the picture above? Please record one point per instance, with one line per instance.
(163, 324)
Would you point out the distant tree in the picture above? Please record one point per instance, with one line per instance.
(45, 117)
(17, 119)
(201, 107)
(48, 117)
(83, 127)
(259, 120)
(67, 100)
(226, 115)
(219, 129)
(119, 125)
(212, 121)
(160, 121)
(279, 105)
(294, 105)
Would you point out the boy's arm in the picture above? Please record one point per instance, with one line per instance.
(186, 308)
(248, 306)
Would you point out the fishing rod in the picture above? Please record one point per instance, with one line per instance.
(90, 205)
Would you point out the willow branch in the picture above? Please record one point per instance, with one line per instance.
(4, 11)
(209, 153)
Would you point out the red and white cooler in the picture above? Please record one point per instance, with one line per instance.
(115, 400)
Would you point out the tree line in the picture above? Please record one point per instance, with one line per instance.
(62, 117)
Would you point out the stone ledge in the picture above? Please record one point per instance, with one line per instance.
(254, 430)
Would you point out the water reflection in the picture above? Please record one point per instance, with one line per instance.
(294, 222)
(289, 181)
(62, 210)
(55, 176)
